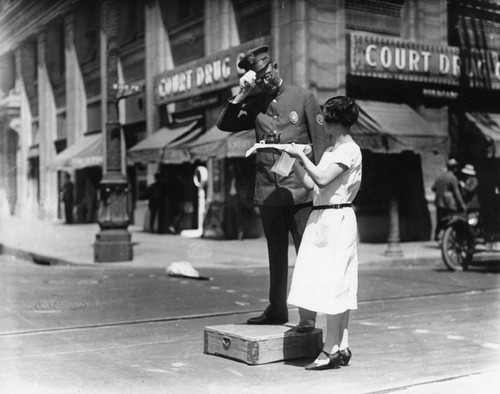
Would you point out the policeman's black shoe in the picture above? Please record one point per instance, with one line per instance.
(267, 319)
(334, 361)
(305, 325)
(346, 356)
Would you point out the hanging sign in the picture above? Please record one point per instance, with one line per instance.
(208, 74)
(383, 57)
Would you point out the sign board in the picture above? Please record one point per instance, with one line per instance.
(211, 73)
(389, 58)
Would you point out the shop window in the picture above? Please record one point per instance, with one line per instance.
(474, 24)
(374, 16)
(253, 18)
(86, 31)
(34, 132)
(7, 74)
(33, 51)
(61, 125)
(185, 25)
(130, 21)
(55, 59)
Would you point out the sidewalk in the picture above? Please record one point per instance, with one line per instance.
(59, 243)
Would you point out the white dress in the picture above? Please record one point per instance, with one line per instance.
(325, 277)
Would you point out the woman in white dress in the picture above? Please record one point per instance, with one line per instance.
(325, 278)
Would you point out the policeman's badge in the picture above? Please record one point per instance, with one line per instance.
(294, 117)
(320, 119)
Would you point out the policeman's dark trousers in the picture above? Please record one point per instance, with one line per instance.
(278, 223)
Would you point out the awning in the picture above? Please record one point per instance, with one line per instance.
(86, 152)
(393, 128)
(213, 144)
(482, 134)
(152, 148)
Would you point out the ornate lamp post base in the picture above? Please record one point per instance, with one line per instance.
(393, 246)
(113, 245)
(114, 241)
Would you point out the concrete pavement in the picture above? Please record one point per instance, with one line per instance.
(59, 243)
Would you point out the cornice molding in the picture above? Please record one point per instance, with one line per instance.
(27, 18)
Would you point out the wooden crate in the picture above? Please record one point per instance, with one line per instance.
(261, 344)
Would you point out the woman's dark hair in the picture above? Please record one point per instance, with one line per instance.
(341, 109)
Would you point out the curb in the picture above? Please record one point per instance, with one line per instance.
(43, 259)
(34, 257)
(408, 262)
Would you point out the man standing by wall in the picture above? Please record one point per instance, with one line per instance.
(156, 198)
(285, 113)
(67, 197)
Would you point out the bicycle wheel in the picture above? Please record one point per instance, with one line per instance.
(456, 249)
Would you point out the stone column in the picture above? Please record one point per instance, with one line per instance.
(220, 26)
(76, 99)
(24, 139)
(328, 49)
(289, 40)
(48, 134)
(309, 44)
(426, 21)
(158, 58)
(113, 242)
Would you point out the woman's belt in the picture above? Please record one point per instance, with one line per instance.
(332, 206)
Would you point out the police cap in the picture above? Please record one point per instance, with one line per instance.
(255, 59)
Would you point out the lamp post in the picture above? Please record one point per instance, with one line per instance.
(113, 242)
(393, 240)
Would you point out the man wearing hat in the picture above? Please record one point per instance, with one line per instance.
(448, 196)
(279, 113)
(469, 184)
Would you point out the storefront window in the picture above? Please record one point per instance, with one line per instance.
(86, 28)
(474, 24)
(375, 16)
(7, 73)
(253, 18)
(131, 21)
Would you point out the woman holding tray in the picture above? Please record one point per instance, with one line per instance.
(325, 277)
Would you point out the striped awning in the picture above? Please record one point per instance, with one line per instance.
(394, 127)
(85, 152)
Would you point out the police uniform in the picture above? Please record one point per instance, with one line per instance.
(293, 114)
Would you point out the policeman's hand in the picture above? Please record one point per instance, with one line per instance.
(247, 83)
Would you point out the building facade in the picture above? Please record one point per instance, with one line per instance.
(425, 74)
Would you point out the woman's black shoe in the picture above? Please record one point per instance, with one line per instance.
(334, 361)
(346, 356)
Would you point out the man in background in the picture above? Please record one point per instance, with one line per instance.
(448, 196)
(67, 197)
(156, 200)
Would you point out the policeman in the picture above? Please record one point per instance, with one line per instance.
(279, 113)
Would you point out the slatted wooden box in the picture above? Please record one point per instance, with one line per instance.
(261, 344)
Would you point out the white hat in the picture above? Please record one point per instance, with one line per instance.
(469, 169)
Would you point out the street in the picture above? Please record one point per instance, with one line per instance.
(107, 329)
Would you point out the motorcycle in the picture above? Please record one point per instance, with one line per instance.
(460, 235)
